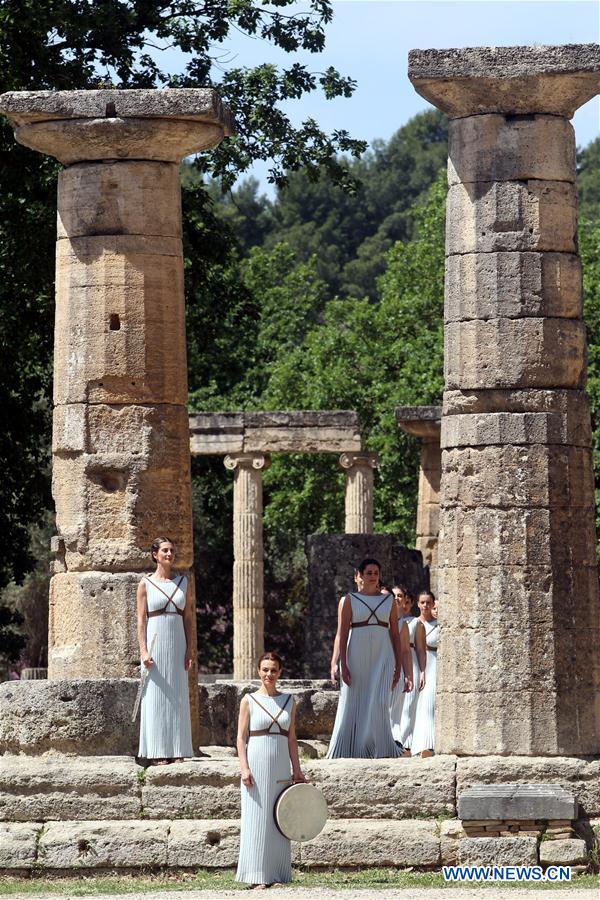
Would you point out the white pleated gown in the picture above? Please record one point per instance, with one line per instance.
(398, 696)
(265, 855)
(424, 733)
(165, 726)
(409, 707)
(362, 726)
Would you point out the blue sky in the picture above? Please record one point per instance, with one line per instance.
(370, 39)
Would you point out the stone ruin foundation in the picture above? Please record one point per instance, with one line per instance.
(517, 766)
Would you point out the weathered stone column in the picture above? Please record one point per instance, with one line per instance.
(424, 422)
(248, 564)
(359, 491)
(121, 465)
(519, 663)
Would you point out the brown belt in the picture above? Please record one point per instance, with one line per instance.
(433, 649)
(165, 612)
(262, 731)
(365, 624)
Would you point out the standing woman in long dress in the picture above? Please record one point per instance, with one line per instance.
(424, 733)
(268, 753)
(164, 622)
(401, 700)
(371, 665)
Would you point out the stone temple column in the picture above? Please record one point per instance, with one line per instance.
(519, 665)
(121, 464)
(359, 491)
(424, 423)
(248, 564)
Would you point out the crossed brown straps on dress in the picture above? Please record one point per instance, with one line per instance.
(163, 611)
(262, 731)
(372, 614)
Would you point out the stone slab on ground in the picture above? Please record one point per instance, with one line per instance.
(200, 789)
(580, 775)
(210, 843)
(359, 843)
(18, 844)
(103, 845)
(516, 801)
(567, 852)
(498, 851)
(34, 789)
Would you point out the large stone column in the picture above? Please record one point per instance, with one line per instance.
(424, 422)
(519, 663)
(248, 564)
(121, 465)
(359, 469)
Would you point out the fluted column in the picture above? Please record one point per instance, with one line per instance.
(121, 465)
(359, 468)
(519, 663)
(424, 422)
(248, 564)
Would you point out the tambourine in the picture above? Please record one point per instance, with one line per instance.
(300, 812)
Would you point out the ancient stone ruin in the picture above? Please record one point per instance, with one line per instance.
(519, 668)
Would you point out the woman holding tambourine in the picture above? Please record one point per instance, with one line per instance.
(268, 754)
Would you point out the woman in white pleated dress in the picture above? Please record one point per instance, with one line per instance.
(424, 732)
(404, 704)
(164, 623)
(268, 753)
(371, 666)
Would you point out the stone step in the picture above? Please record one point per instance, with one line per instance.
(34, 789)
(207, 843)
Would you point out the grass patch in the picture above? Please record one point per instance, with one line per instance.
(203, 880)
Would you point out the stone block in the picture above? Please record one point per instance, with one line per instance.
(487, 217)
(451, 831)
(319, 439)
(572, 405)
(77, 717)
(394, 789)
(566, 852)
(516, 801)
(92, 625)
(521, 428)
(513, 286)
(211, 843)
(578, 776)
(516, 80)
(34, 789)
(498, 851)
(358, 843)
(545, 539)
(122, 197)
(202, 789)
(515, 353)
(530, 476)
(494, 147)
(120, 320)
(103, 845)
(18, 844)
(128, 482)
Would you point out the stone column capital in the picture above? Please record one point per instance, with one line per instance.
(140, 124)
(360, 460)
(555, 80)
(259, 461)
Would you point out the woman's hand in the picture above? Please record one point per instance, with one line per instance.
(346, 675)
(408, 685)
(187, 661)
(333, 672)
(421, 680)
(247, 779)
(299, 778)
(147, 661)
(396, 678)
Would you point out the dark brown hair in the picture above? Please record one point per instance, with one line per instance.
(156, 545)
(273, 656)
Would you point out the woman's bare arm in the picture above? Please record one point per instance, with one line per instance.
(421, 651)
(336, 644)
(188, 627)
(242, 740)
(142, 620)
(297, 774)
(346, 621)
(395, 637)
(406, 657)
